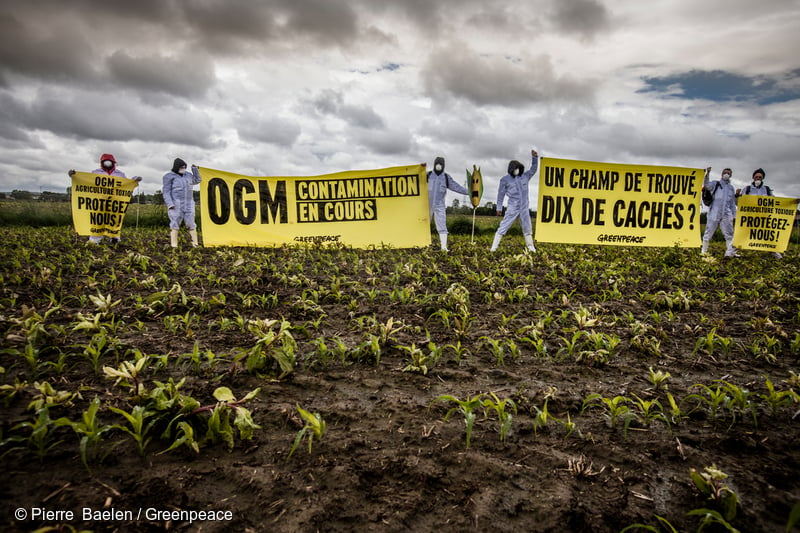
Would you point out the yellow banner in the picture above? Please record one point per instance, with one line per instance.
(582, 202)
(764, 222)
(356, 208)
(99, 203)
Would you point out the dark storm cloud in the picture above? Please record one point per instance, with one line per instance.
(331, 103)
(458, 71)
(586, 18)
(179, 76)
(721, 86)
(326, 21)
(111, 117)
(12, 113)
(52, 55)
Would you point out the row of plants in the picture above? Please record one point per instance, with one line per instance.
(143, 345)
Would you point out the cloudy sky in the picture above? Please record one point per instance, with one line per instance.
(306, 87)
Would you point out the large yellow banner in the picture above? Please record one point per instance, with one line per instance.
(99, 203)
(356, 208)
(764, 222)
(583, 202)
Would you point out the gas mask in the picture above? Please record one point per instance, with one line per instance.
(438, 168)
(182, 171)
(108, 164)
(515, 172)
(726, 177)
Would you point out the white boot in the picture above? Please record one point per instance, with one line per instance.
(495, 242)
(704, 248)
(193, 235)
(529, 243)
(443, 241)
(731, 251)
(173, 238)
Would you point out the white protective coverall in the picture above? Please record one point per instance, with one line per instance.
(178, 195)
(438, 183)
(515, 189)
(721, 213)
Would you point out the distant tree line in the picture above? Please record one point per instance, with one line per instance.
(157, 198)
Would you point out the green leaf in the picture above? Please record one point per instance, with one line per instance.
(794, 517)
(224, 394)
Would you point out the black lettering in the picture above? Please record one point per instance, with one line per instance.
(219, 201)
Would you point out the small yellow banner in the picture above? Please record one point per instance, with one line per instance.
(99, 203)
(583, 202)
(764, 222)
(359, 208)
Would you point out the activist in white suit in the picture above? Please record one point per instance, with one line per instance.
(514, 186)
(438, 183)
(178, 195)
(721, 212)
(108, 167)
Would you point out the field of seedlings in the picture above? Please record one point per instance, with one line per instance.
(581, 388)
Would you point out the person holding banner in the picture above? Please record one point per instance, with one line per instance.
(514, 186)
(757, 188)
(439, 182)
(721, 212)
(179, 197)
(108, 167)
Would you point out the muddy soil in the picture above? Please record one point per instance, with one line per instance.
(391, 459)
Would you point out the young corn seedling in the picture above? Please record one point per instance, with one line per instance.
(368, 351)
(41, 437)
(273, 348)
(418, 362)
(710, 484)
(569, 426)
(649, 411)
(778, 400)
(658, 379)
(766, 346)
(386, 332)
(495, 348)
(601, 347)
(616, 408)
(543, 417)
(466, 408)
(713, 399)
(104, 304)
(97, 348)
(314, 428)
(89, 430)
(739, 401)
(676, 415)
(185, 436)
(504, 416)
(48, 397)
(127, 374)
(536, 342)
(138, 426)
(571, 348)
(458, 350)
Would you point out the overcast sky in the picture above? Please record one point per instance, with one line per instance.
(306, 87)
